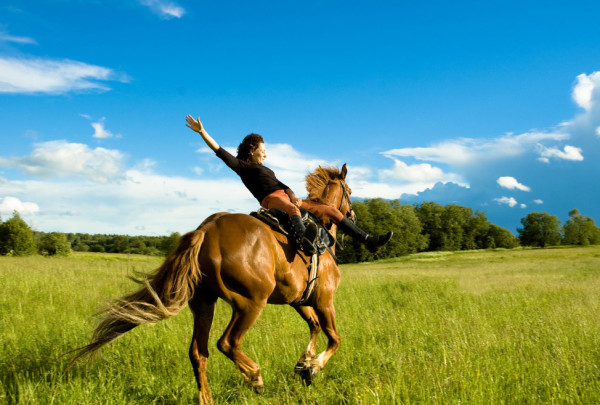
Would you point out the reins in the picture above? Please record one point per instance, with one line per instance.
(346, 196)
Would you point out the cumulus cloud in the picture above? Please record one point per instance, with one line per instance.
(37, 75)
(511, 183)
(10, 204)
(165, 9)
(510, 201)
(141, 202)
(584, 90)
(63, 159)
(467, 151)
(417, 173)
(568, 153)
(538, 201)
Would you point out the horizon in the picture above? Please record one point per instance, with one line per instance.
(491, 107)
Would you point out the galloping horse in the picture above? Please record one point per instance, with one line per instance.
(239, 259)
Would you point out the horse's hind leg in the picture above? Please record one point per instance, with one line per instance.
(242, 318)
(303, 367)
(203, 309)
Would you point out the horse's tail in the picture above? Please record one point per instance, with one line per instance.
(163, 294)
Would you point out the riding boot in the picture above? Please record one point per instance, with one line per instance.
(303, 238)
(372, 242)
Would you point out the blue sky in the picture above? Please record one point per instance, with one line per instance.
(491, 105)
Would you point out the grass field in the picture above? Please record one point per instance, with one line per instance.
(485, 327)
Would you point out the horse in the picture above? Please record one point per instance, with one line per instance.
(240, 259)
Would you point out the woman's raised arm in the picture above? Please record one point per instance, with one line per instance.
(196, 125)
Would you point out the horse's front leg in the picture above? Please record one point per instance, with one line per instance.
(326, 317)
(304, 366)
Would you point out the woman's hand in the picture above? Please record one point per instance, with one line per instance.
(194, 125)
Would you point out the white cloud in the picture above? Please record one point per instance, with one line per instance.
(135, 200)
(583, 92)
(141, 202)
(538, 201)
(10, 204)
(468, 151)
(164, 8)
(100, 131)
(205, 150)
(290, 165)
(417, 173)
(568, 153)
(511, 183)
(17, 40)
(138, 200)
(63, 159)
(598, 131)
(510, 201)
(373, 189)
(52, 76)
(523, 205)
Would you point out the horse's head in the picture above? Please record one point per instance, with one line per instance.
(327, 185)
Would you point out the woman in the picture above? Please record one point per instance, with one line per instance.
(272, 193)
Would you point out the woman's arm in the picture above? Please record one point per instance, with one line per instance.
(196, 125)
(296, 201)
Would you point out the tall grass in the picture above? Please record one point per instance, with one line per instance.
(512, 326)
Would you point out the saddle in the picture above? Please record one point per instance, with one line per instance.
(279, 221)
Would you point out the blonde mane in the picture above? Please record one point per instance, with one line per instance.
(317, 181)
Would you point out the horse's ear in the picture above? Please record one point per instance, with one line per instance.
(344, 172)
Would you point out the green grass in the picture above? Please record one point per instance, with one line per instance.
(502, 327)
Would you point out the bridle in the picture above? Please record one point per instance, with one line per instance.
(346, 196)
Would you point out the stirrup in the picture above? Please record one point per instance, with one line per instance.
(309, 238)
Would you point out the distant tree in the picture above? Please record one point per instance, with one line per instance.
(378, 216)
(54, 244)
(431, 215)
(16, 237)
(119, 244)
(580, 230)
(456, 221)
(498, 237)
(408, 231)
(453, 227)
(540, 229)
(169, 243)
(98, 248)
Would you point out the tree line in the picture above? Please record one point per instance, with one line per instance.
(428, 226)
(17, 239)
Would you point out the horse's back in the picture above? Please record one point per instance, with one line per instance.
(242, 255)
(238, 257)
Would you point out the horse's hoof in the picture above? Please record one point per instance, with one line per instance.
(259, 389)
(306, 373)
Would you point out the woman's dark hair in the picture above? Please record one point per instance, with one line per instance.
(248, 146)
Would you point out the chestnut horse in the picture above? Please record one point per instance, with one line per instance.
(239, 259)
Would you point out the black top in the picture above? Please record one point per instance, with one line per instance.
(259, 179)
